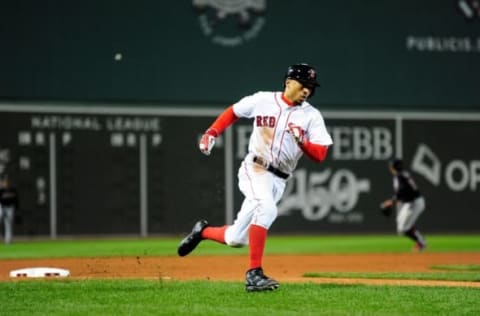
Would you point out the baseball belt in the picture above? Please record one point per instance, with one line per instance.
(262, 162)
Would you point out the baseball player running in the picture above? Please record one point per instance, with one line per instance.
(8, 204)
(409, 201)
(285, 126)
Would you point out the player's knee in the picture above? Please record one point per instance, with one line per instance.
(401, 231)
(267, 214)
(235, 243)
(235, 237)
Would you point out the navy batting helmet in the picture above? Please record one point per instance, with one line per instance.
(304, 74)
(397, 164)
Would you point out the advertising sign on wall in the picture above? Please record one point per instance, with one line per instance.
(139, 171)
(343, 193)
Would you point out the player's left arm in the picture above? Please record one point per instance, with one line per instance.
(315, 140)
(411, 182)
(316, 152)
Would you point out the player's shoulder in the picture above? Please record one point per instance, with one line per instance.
(309, 109)
(259, 95)
(264, 94)
(404, 175)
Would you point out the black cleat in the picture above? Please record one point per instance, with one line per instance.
(257, 281)
(193, 239)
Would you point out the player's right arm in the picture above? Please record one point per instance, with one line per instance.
(224, 120)
(243, 108)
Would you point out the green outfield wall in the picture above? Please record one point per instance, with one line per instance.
(396, 54)
(109, 170)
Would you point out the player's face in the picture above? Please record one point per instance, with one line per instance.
(296, 92)
(392, 171)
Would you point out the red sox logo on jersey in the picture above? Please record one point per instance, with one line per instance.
(265, 121)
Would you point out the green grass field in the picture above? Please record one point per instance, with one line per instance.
(275, 245)
(156, 297)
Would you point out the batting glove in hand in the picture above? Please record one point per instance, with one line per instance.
(208, 141)
(297, 132)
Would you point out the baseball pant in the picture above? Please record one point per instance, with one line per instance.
(6, 215)
(262, 191)
(408, 214)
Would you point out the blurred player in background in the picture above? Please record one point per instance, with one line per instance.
(8, 204)
(408, 203)
(285, 126)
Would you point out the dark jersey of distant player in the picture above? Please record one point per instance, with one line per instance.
(405, 188)
(8, 197)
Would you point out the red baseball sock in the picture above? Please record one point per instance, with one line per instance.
(257, 237)
(215, 233)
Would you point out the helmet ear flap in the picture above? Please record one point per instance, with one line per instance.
(311, 87)
(308, 85)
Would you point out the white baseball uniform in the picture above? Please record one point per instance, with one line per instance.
(274, 146)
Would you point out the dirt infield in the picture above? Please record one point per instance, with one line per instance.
(285, 268)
